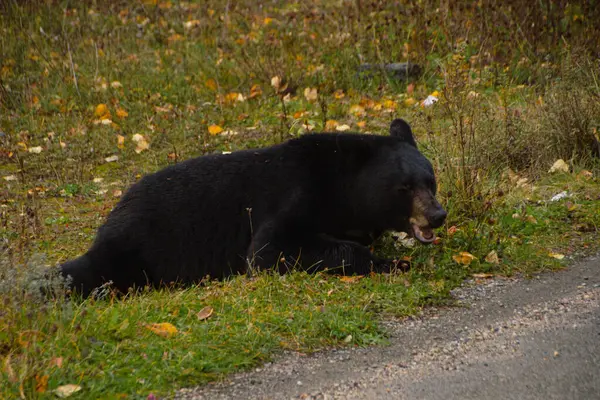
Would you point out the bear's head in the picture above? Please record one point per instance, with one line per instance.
(402, 187)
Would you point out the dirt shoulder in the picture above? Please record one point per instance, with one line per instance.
(514, 338)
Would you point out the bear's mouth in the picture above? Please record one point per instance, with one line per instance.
(423, 234)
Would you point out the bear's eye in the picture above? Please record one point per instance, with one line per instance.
(402, 188)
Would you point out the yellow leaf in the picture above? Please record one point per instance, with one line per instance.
(215, 129)
(361, 124)
(121, 113)
(299, 114)
(102, 111)
(342, 128)
(410, 102)
(164, 329)
(232, 97)
(492, 257)
(558, 256)
(116, 84)
(310, 94)
(357, 110)
(176, 37)
(205, 313)
(41, 383)
(331, 125)
(66, 390)
(463, 258)
(559, 166)
(255, 90)
(120, 141)
(211, 84)
(339, 94)
(390, 104)
(191, 24)
(141, 143)
(351, 279)
(267, 20)
(483, 276)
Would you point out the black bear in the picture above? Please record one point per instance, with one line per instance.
(312, 202)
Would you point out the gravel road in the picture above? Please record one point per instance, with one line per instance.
(513, 339)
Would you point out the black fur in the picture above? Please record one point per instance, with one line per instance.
(297, 204)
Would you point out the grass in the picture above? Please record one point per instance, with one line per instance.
(78, 81)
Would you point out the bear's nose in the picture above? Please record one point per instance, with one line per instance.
(437, 218)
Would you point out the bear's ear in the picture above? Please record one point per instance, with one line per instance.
(402, 131)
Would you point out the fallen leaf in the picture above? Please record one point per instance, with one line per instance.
(56, 362)
(67, 390)
(112, 158)
(36, 149)
(276, 82)
(342, 128)
(559, 166)
(116, 84)
(410, 102)
(351, 279)
(339, 94)
(361, 124)
(41, 383)
(121, 113)
(348, 339)
(463, 258)
(531, 219)
(483, 276)
(492, 257)
(141, 143)
(211, 84)
(560, 196)
(102, 112)
(164, 329)
(452, 230)
(191, 24)
(585, 174)
(214, 129)
(410, 88)
(205, 313)
(255, 90)
(558, 256)
(120, 141)
(299, 114)
(10, 178)
(117, 193)
(331, 125)
(390, 104)
(357, 110)
(310, 94)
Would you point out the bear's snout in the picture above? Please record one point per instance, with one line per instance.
(437, 218)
